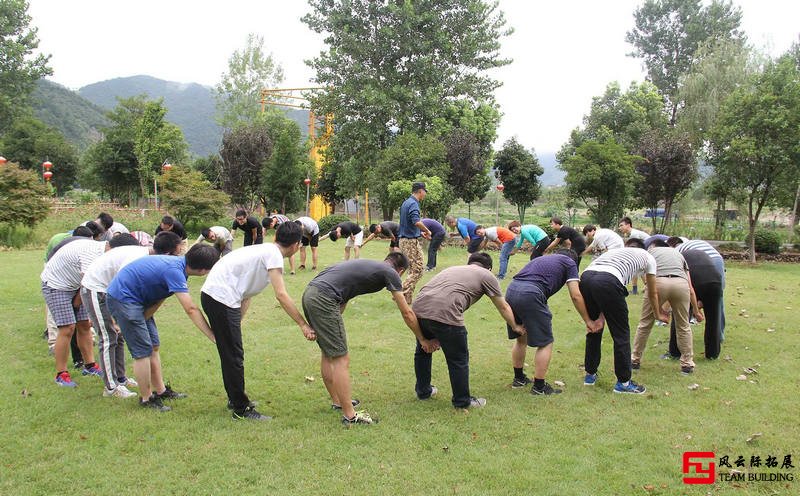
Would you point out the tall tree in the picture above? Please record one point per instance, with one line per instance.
(244, 151)
(250, 70)
(667, 34)
(156, 142)
(191, 198)
(24, 196)
(18, 70)
(210, 167)
(282, 186)
(519, 170)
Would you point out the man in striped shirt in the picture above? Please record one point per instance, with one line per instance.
(628, 231)
(603, 288)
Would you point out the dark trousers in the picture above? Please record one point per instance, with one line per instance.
(711, 296)
(540, 247)
(433, 249)
(453, 340)
(603, 293)
(226, 323)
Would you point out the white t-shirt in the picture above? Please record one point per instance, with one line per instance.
(242, 274)
(222, 235)
(491, 233)
(65, 270)
(99, 275)
(624, 264)
(606, 239)
(310, 226)
(638, 234)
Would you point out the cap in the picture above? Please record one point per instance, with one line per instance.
(418, 186)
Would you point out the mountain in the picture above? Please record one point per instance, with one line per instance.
(553, 176)
(78, 119)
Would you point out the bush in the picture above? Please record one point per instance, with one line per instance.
(766, 241)
(729, 247)
(329, 222)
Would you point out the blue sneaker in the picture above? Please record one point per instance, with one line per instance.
(93, 370)
(590, 379)
(629, 387)
(63, 379)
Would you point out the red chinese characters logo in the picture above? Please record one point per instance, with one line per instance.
(694, 470)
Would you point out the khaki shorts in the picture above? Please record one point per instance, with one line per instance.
(324, 315)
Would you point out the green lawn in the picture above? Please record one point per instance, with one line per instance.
(584, 441)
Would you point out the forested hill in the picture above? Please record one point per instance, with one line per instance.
(78, 119)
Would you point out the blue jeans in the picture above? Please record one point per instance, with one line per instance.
(505, 253)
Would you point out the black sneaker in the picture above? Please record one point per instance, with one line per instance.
(521, 383)
(252, 404)
(355, 402)
(170, 394)
(546, 390)
(687, 370)
(636, 365)
(155, 403)
(249, 413)
(77, 364)
(358, 418)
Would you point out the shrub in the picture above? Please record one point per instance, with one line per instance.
(329, 222)
(729, 247)
(766, 241)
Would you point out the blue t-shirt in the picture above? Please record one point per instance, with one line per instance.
(150, 279)
(530, 233)
(409, 216)
(649, 240)
(466, 228)
(433, 226)
(549, 273)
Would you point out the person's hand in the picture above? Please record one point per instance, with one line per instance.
(698, 315)
(426, 235)
(519, 329)
(595, 325)
(429, 345)
(663, 316)
(308, 332)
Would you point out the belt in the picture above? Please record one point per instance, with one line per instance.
(670, 275)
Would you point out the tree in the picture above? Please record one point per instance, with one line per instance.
(156, 142)
(244, 151)
(211, 168)
(238, 94)
(437, 202)
(667, 172)
(602, 176)
(190, 197)
(325, 185)
(667, 34)
(18, 71)
(754, 144)
(469, 174)
(23, 198)
(282, 186)
(519, 170)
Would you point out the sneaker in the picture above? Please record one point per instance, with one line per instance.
(635, 290)
(434, 390)
(314, 268)
(155, 403)
(93, 370)
(358, 418)
(635, 365)
(477, 402)
(355, 402)
(302, 267)
(252, 404)
(629, 388)
(77, 364)
(687, 370)
(693, 321)
(63, 379)
(521, 383)
(249, 413)
(128, 382)
(546, 390)
(118, 392)
(589, 379)
(661, 323)
(170, 394)
(667, 356)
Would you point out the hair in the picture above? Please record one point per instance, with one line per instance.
(659, 243)
(288, 234)
(205, 232)
(240, 213)
(201, 257)
(123, 239)
(449, 218)
(635, 243)
(95, 228)
(106, 220)
(626, 220)
(568, 252)
(557, 220)
(514, 223)
(372, 228)
(166, 242)
(589, 227)
(674, 241)
(479, 227)
(167, 220)
(267, 222)
(418, 186)
(83, 231)
(397, 260)
(481, 258)
(333, 235)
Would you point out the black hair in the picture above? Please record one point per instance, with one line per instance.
(589, 227)
(635, 243)
(83, 231)
(201, 257)
(205, 232)
(106, 220)
(166, 243)
(674, 241)
(123, 239)
(626, 220)
(557, 220)
(372, 228)
(481, 258)
(333, 235)
(568, 252)
(167, 220)
(397, 260)
(288, 234)
(267, 222)
(241, 213)
(659, 243)
(479, 227)
(95, 228)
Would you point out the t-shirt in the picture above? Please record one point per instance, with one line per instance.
(530, 233)
(117, 228)
(549, 273)
(242, 274)
(102, 271)
(250, 223)
(624, 264)
(349, 228)
(222, 236)
(143, 238)
(606, 239)
(699, 244)
(55, 241)
(310, 226)
(349, 279)
(452, 291)
(702, 268)
(279, 219)
(637, 234)
(500, 234)
(409, 216)
(433, 226)
(150, 279)
(669, 262)
(177, 228)
(466, 228)
(390, 228)
(577, 240)
(66, 267)
(649, 240)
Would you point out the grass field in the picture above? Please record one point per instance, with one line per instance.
(584, 441)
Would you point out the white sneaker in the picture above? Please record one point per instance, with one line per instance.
(130, 382)
(118, 392)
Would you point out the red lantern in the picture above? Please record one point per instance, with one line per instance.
(500, 187)
(167, 166)
(47, 175)
(3, 160)
(47, 165)
(306, 181)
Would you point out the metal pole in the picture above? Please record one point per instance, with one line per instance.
(497, 210)
(155, 189)
(308, 188)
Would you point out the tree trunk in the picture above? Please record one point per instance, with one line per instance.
(521, 212)
(752, 240)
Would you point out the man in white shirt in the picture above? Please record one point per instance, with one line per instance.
(310, 237)
(627, 230)
(225, 297)
(218, 236)
(601, 240)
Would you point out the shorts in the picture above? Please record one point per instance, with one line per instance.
(60, 305)
(474, 244)
(313, 241)
(140, 334)
(324, 315)
(359, 239)
(530, 309)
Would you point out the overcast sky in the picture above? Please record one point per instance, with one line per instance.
(564, 51)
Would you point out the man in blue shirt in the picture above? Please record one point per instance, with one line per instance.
(466, 229)
(134, 295)
(411, 228)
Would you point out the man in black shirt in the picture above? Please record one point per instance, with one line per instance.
(566, 237)
(387, 230)
(253, 235)
(354, 235)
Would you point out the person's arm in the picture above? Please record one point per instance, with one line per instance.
(152, 309)
(244, 306)
(369, 238)
(698, 315)
(588, 249)
(507, 314)
(276, 279)
(426, 233)
(200, 239)
(195, 315)
(254, 234)
(580, 306)
(429, 345)
(552, 245)
(652, 295)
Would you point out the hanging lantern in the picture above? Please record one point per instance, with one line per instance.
(306, 181)
(47, 175)
(167, 166)
(3, 160)
(47, 165)
(500, 187)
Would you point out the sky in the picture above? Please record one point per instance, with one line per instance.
(564, 51)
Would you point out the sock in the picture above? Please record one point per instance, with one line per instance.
(538, 383)
(518, 373)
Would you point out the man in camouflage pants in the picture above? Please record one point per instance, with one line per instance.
(411, 228)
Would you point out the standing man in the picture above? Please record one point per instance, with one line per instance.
(354, 235)
(467, 230)
(566, 237)
(386, 230)
(437, 238)
(601, 240)
(219, 237)
(440, 308)
(310, 237)
(504, 239)
(527, 294)
(253, 235)
(226, 296)
(627, 230)
(324, 301)
(410, 230)
(531, 233)
(136, 293)
(603, 288)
